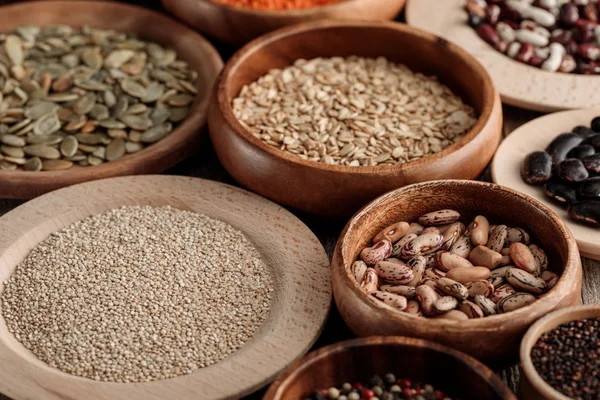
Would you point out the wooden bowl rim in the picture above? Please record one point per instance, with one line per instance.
(186, 130)
(234, 63)
(283, 337)
(534, 333)
(294, 12)
(573, 262)
(475, 366)
(503, 69)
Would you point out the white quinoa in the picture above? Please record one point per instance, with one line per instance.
(138, 294)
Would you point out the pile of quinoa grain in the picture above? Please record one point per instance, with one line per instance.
(138, 294)
(353, 111)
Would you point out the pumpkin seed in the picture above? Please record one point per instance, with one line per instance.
(135, 136)
(117, 134)
(92, 57)
(19, 126)
(118, 58)
(42, 108)
(76, 123)
(180, 100)
(178, 114)
(46, 124)
(45, 139)
(99, 112)
(56, 165)
(86, 148)
(120, 107)
(156, 133)
(115, 150)
(160, 114)
(14, 49)
(94, 160)
(16, 160)
(111, 124)
(137, 122)
(133, 88)
(16, 152)
(100, 152)
(33, 164)
(12, 140)
(89, 138)
(62, 97)
(132, 147)
(137, 108)
(109, 98)
(7, 166)
(89, 84)
(42, 151)
(85, 104)
(69, 145)
(153, 92)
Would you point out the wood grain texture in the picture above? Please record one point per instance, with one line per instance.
(367, 316)
(455, 373)
(519, 84)
(190, 46)
(338, 189)
(296, 260)
(535, 135)
(238, 25)
(533, 387)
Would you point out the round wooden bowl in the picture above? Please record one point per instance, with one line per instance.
(336, 189)
(493, 339)
(238, 25)
(535, 136)
(532, 386)
(451, 371)
(190, 46)
(519, 84)
(297, 261)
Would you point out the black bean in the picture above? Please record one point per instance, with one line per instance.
(537, 168)
(572, 170)
(561, 145)
(596, 124)
(581, 151)
(592, 163)
(475, 20)
(569, 13)
(561, 191)
(583, 131)
(590, 188)
(593, 140)
(587, 211)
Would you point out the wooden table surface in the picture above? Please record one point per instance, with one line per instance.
(204, 164)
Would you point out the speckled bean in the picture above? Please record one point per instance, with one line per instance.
(413, 307)
(462, 246)
(550, 278)
(393, 300)
(424, 244)
(394, 273)
(378, 252)
(454, 315)
(402, 290)
(445, 304)
(523, 258)
(471, 309)
(452, 288)
(393, 233)
(487, 306)
(446, 261)
(466, 275)
(525, 281)
(439, 217)
(480, 229)
(485, 257)
(515, 301)
(370, 281)
(427, 297)
(359, 269)
(497, 238)
(481, 287)
(397, 247)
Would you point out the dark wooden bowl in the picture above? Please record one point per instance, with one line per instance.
(239, 25)
(493, 339)
(190, 46)
(532, 385)
(451, 371)
(341, 190)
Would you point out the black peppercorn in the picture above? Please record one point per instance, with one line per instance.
(375, 381)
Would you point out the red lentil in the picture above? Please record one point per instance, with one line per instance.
(279, 4)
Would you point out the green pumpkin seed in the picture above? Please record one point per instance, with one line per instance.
(86, 148)
(42, 151)
(180, 100)
(117, 134)
(14, 49)
(100, 152)
(133, 88)
(111, 124)
(92, 58)
(179, 114)
(12, 140)
(19, 126)
(137, 108)
(45, 139)
(85, 104)
(118, 58)
(33, 164)
(77, 157)
(115, 150)
(62, 97)
(84, 163)
(153, 92)
(42, 108)
(69, 145)
(187, 85)
(121, 106)
(109, 98)
(132, 147)
(160, 114)
(46, 124)
(88, 84)
(16, 160)
(16, 152)
(90, 138)
(135, 136)
(94, 160)
(99, 112)
(56, 165)
(156, 133)
(7, 166)
(136, 122)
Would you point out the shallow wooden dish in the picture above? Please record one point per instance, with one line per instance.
(453, 372)
(492, 339)
(519, 84)
(190, 46)
(341, 190)
(533, 387)
(533, 136)
(238, 25)
(297, 261)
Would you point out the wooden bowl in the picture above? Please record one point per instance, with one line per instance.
(238, 25)
(520, 85)
(189, 45)
(535, 135)
(532, 386)
(336, 189)
(453, 372)
(296, 259)
(493, 339)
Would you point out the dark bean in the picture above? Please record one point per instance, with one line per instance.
(583, 131)
(475, 20)
(596, 124)
(581, 151)
(537, 168)
(590, 188)
(583, 34)
(509, 16)
(572, 170)
(587, 211)
(593, 140)
(563, 192)
(569, 13)
(588, 68)
(488, 34)
(561, 145)
(592, 163)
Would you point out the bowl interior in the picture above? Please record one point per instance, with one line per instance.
(424, 362)
(498, 204)
(419, 51)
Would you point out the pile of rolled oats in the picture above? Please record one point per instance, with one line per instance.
(353, 111)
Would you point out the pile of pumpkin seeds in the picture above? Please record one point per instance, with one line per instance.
(85, 96)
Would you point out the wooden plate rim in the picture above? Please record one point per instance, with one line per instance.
(231, 67)
(42, 209)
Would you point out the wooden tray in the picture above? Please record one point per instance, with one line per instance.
(535, 135)
(297, 260)
(519, 84)
(190, 46)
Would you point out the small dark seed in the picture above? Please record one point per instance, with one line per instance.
(593, 140)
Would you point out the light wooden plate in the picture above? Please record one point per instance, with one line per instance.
(297, 260)
(536, 135)
(519, 84)
(190, 46)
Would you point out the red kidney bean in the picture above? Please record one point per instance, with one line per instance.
(525, 52)
(569, 13)
(589, 51)
(492, 14)
(568, 64)
(488, 33)
(535, 61)
(591, 12)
